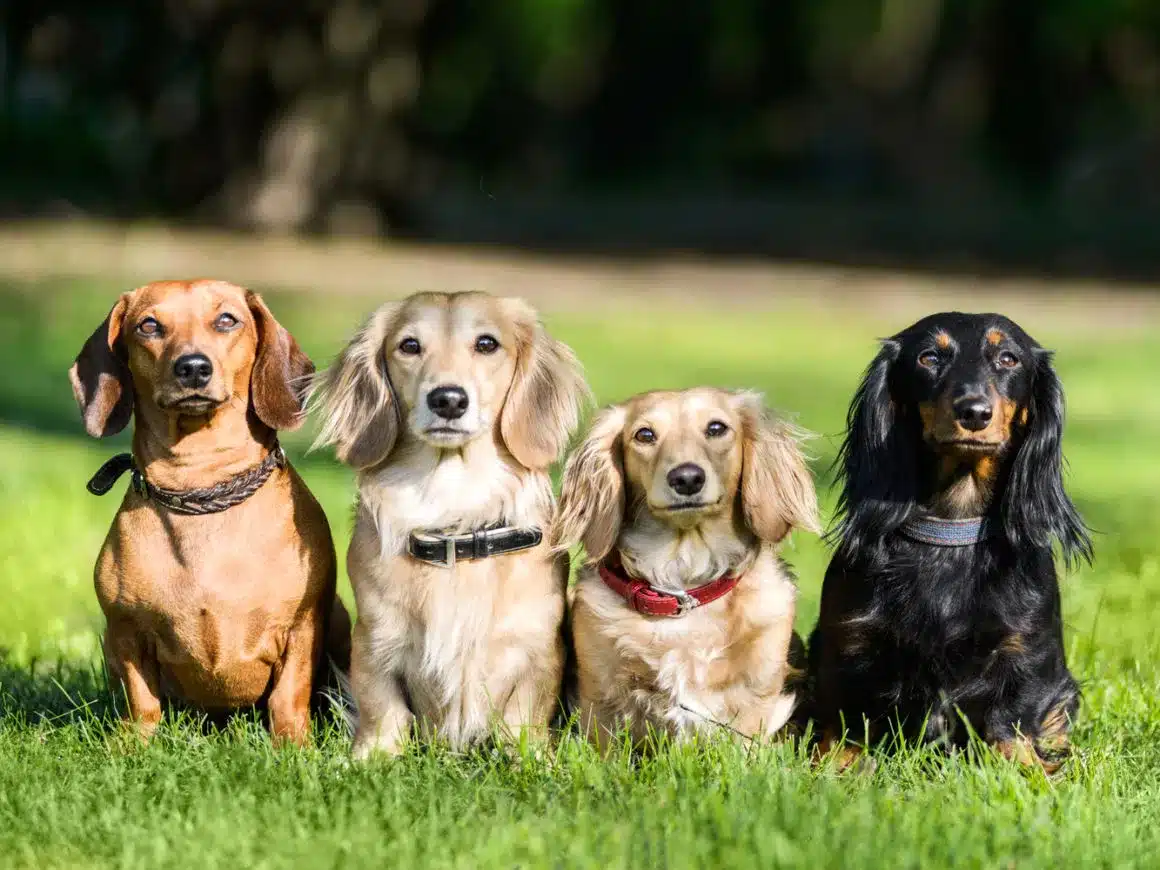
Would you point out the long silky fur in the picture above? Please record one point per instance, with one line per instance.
(1037, 508)
(910, 633)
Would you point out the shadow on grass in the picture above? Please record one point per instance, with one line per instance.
(63, 693)
(57, 693)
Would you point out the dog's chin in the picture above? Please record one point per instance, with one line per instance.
(686, 513)
(968, 448)
(446, 437)
(196, 405)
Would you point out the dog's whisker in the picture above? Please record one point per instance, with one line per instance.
(722, 725)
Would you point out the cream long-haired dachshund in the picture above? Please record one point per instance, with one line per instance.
(453, 407)
(683, 612)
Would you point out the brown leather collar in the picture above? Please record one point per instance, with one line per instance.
(643, 598)
(194, 502)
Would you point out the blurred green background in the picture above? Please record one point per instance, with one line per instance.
(946, 132)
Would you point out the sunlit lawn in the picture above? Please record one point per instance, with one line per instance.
(73, 795)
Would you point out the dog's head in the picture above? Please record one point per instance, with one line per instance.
(684, 460)
(970, 378)
(958, 394)
(189, 349)
(446, 369)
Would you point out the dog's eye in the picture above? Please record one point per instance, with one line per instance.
(716, 429)
(410, 346)
(225, 322)
(928, 359)
(1008, 360)
(149, 327)
(486, 344)
(644, 435)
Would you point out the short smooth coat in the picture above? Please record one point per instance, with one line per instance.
(215, 599)
(221, 610)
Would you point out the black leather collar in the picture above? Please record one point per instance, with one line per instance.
(445, 550)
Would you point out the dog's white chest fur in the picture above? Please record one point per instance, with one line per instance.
(447, 493)
(711, 670)
(463, 649)
(681, 695)
(461, 641)
(667, 669)
(464, 642)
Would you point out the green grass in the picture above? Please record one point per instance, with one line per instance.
(72, 793)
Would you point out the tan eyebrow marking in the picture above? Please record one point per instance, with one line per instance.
(995, 336)
(942, 340)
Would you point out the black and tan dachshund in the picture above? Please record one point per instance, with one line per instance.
(940, 609)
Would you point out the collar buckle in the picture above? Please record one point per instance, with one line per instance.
(685, 602)
(449, 551)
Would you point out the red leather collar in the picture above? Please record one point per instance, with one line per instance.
(643, 598)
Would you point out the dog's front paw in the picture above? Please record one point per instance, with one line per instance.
(367, 746)
(1033, 755)
(846, 758)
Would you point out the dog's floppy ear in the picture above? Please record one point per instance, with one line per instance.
(1036, 507)
(360, 414)
(281, 374)
(100, 376)
(777, 489)
(548, 390)
(592, 492)
(877, 461)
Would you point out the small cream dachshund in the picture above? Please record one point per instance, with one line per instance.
(683, 613)
(452, 407)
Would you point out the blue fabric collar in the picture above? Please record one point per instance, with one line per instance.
(944, 533)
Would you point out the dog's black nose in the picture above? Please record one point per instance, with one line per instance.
(973, 413)
(193, 370)
(687, 479)
(450, 403)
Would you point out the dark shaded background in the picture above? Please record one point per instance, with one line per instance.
(952, 133)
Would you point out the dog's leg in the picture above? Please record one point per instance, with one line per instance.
(1031, 753)
(769, 676)
(384, 720)
(136, 668)
(530, 705)
(766, 719)
(1053, 741)
(289, 703)
(1045, 743)
(848, 755)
